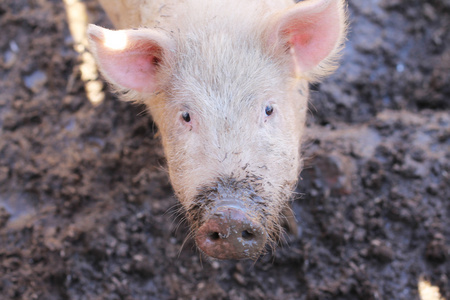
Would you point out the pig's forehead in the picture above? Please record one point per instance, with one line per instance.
(208, 93)
(242, 73)
(225, 57)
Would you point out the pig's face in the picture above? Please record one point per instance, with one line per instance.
(231, 132)
(228, 91)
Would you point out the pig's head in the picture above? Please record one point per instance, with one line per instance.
(229, 96)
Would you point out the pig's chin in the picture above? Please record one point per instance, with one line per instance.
(230, 220)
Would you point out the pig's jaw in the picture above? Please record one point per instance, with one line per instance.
(230, 220)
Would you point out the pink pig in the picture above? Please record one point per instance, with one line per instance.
(227, 85)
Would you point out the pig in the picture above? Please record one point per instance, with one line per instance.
(226, 83)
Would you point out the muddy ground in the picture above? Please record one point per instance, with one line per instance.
(87, 211)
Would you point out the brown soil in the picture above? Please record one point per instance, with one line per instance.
(87, 211)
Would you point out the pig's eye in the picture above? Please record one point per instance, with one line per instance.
(186, 117)
(269, 110)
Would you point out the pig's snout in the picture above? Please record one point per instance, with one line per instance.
(229, 233)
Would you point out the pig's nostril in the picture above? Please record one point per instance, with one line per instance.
(214, 236)
(247, 235)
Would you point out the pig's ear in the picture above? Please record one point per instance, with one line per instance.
(131, 59)
(313, 31)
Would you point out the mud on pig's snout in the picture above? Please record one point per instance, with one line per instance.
(230, 233)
